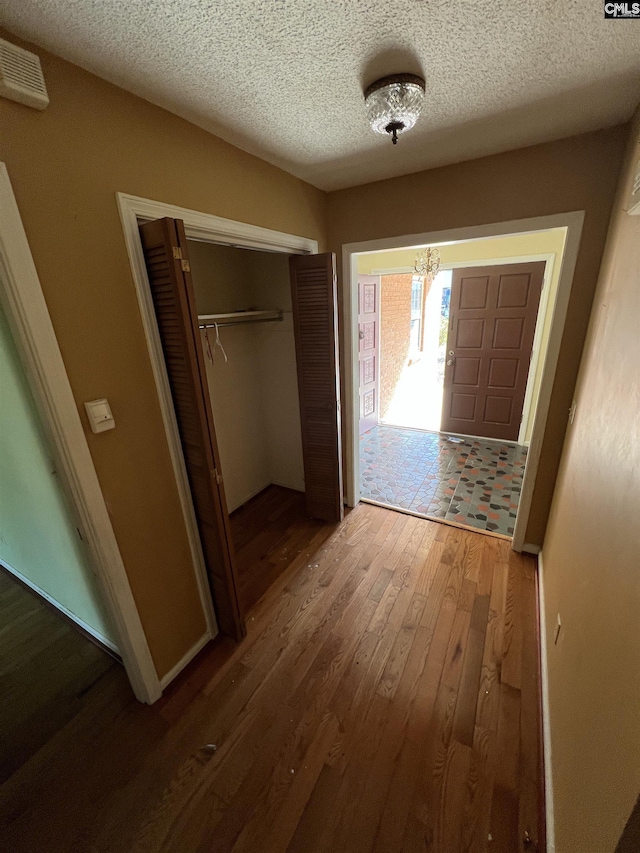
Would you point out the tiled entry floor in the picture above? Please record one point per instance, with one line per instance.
(472, 481)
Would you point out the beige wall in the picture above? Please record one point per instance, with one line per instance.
(550, 242)
(470, 251)
(579, 173)
(66, 164)
(271, 288)
(591, 562)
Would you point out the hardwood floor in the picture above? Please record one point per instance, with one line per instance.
(46, 669)
(385, 699)
(269, 532)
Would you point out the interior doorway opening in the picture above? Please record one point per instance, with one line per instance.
(459, 368)
(244, 305)
(414, 398)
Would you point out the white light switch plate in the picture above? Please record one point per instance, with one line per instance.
(99, 414)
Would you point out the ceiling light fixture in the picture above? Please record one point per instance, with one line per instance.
(394, 103)
(427, 263)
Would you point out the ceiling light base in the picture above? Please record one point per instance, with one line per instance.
(393, 129)
(394, 103)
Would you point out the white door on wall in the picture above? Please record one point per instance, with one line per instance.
(369, 349)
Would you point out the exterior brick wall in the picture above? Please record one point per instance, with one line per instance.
(395, 327)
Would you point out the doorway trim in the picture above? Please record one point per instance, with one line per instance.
(22, 297)
(572, 221)
(205, 228)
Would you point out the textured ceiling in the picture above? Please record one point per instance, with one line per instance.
(283, 79)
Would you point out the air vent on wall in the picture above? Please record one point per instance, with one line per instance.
(634, 198)
(21, 76)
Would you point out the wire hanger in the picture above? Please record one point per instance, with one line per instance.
(216, 343)
(208, 343)
(219, 343)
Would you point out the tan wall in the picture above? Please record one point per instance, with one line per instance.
(66, 164)
(591, 562)
(395, 328)
(579, 173)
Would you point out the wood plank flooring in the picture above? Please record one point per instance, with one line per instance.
(385, 699)
(46, 669)
(269, 532)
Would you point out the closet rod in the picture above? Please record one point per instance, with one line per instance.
(238, 318)
(238, 323)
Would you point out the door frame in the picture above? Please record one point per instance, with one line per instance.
(573, 222)
(23, 300)
(206, 228)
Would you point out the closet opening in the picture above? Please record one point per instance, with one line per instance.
(247, 340)
(245, 314)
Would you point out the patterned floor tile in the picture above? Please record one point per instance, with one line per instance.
(475, 482)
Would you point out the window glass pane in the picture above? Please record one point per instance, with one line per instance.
(416, 297)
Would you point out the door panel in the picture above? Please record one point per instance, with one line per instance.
(492, 323)
(369, 349)
(165, 249)
(315, 317)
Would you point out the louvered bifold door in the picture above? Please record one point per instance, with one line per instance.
(315, 316)
(165, 251)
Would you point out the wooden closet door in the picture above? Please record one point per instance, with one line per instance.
(165, 250)
(315, 318)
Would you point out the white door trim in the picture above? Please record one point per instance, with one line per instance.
(537, 352)
(572, 221)
(28, 316)
(546, 712)
(209, 229)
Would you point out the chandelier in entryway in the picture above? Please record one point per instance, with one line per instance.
(427, 263)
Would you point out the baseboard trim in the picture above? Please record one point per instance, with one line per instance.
(262, 488)
(528, 548)
(84, 626)
(546, 719)
(185, 660)
(296, 488)
(249, 497)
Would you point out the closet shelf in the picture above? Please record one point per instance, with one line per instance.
(238, 318)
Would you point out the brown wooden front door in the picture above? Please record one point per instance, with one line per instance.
(315, 318)
(368, 349)
(165, 250)
(492, 322)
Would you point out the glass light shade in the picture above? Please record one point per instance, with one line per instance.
(394, 103)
